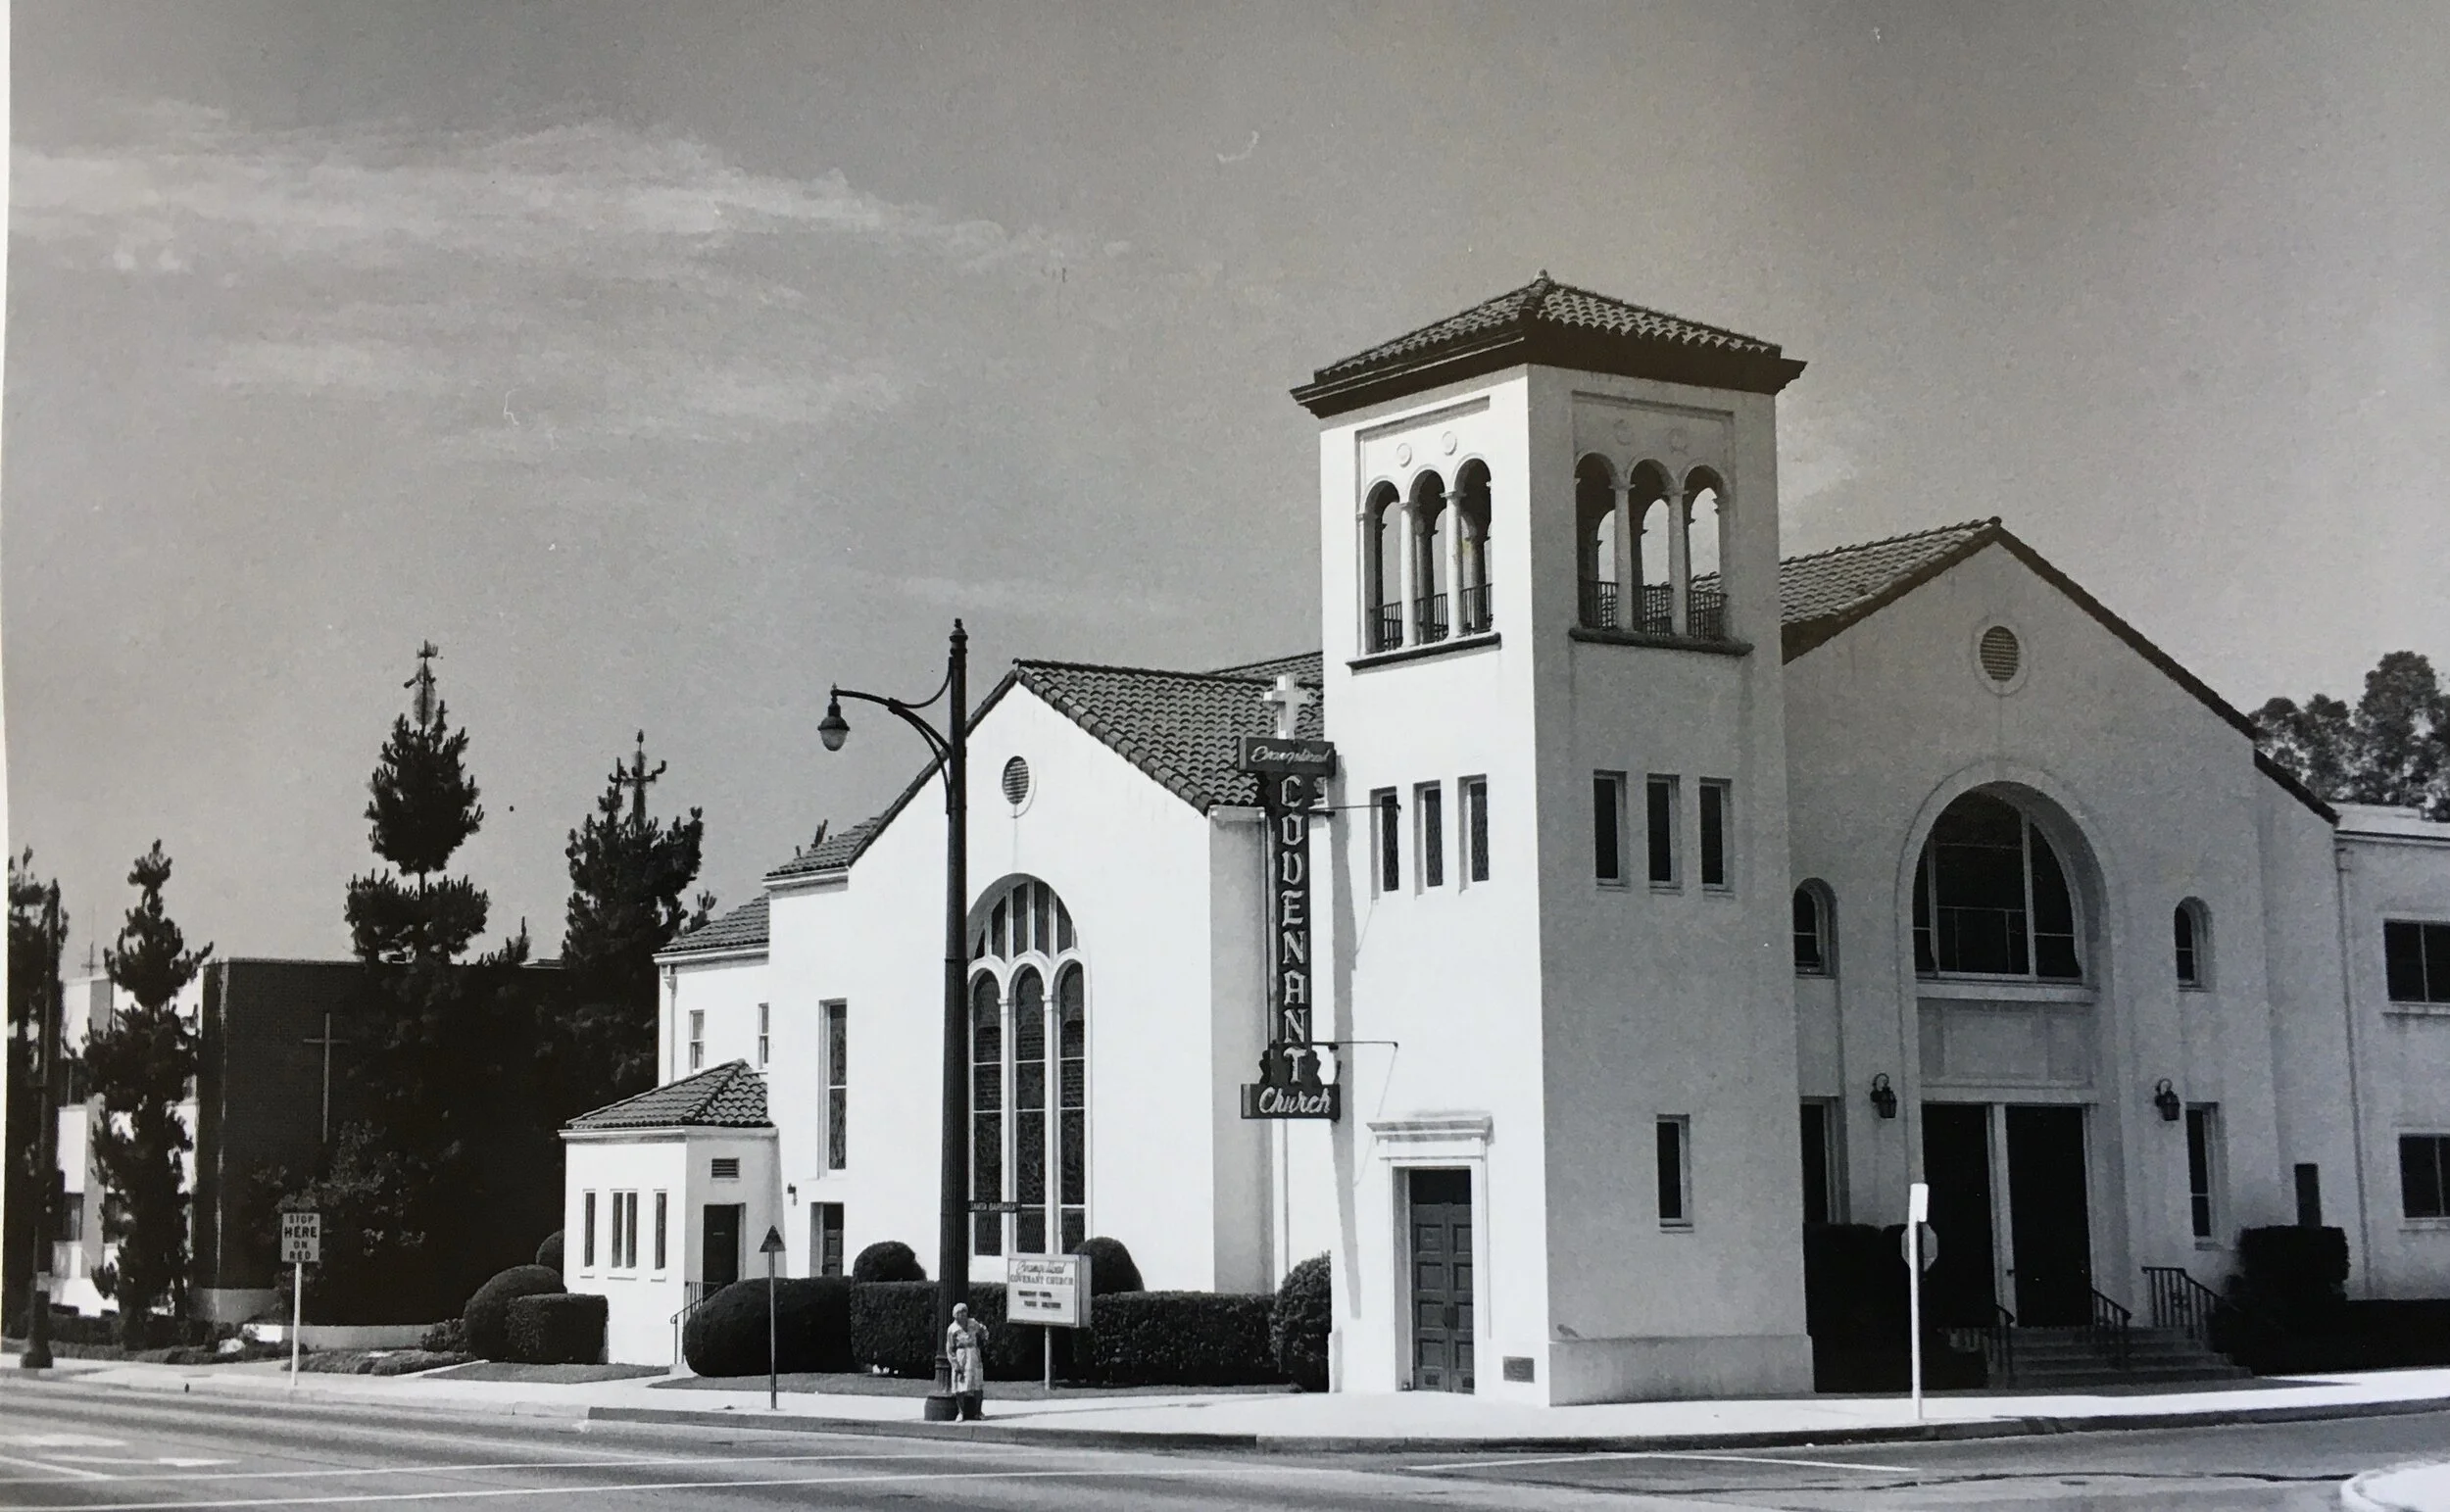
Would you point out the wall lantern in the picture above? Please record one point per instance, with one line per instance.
(1883, 1096)
(2165, 1098)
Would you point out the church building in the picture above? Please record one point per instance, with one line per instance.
(1671, 894)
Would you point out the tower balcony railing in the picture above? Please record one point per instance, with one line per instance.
(1599, 607)
(1387, 627)
(1429, 617)
(1472, 609)
(1705, 613)
(1657, 610)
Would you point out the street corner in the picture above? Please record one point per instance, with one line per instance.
(2420, 1488)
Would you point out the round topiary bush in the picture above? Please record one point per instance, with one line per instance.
(549, 1254)
(557, 1327)
(725, 1336)
(888, 1259)
(1297, 1325)
(1111, 1267)
(487, 1318)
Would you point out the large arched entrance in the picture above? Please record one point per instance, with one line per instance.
(2005, 944)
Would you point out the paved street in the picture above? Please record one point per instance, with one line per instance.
(95, 1451)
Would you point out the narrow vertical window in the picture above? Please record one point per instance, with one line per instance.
(630, 1235)
(986, 1112)
(1819, 1169)
(1715, 798)
(2183, 925)
(663, 1217)
(1663, 819)
(1029, 1112)
(1475, 829)
(837, 1085)
(1675, 1173)
(2202, 1160)
(1811, 933)
(765, 1026)
(1607, 828)
(587, 1232)
(825, 1241)
(1390, 839)
(1430, 799)
(1072, 1106)
(697, 1039)
(2309, 1195)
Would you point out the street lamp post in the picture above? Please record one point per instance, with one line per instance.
(45, 1153)
(951, 748)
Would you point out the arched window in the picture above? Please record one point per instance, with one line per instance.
(1472, 600)
(1432, 527)
(1594, 542)
(1704, 528)
(1029, 1074)
(1382, 547)
(1991, 898)
(2190, 924)
(1653, 555)
(1813, 934)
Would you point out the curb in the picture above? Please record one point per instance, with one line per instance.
(2358, 1493)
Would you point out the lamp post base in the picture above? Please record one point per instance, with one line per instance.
(942, 1407)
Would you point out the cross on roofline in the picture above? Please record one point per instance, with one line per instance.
(1289, 698)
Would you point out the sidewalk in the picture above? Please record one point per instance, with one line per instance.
(1412, 1420)
(2408, 1488)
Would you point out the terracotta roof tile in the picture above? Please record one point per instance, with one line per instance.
(741, 928)
(1178, 727)
(730, 1096)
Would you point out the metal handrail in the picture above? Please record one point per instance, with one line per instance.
(1428, 615)
(2111, 1318)
(1472, 605)
(1387, 627)
(1599, 607)
(2180, 1301)
(1705, 613)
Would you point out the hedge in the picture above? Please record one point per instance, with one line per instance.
(1299, 1323)
(1112, 1269)
(893, 1329)
(725, 1334)
(888, 1259)
(487, 1317)
(557, 1328)
(549, 1254)
(2292, 1277)
(1183, 1338)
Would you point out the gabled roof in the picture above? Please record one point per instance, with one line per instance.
(1177, 727)
(1557, 324)
(740, 929)
(730, 1096)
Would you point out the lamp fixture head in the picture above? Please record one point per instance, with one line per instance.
(1883, 1096)
(2165, 1098)
(833, 729)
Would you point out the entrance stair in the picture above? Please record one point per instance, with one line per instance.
(2058, 1358)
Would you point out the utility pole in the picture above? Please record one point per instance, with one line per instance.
(37, 1355)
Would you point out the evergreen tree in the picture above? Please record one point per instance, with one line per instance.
(37, 934)
(141, 1067)
(2393, 746)
(628, 874)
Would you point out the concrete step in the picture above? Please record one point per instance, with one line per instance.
(2067, 1357)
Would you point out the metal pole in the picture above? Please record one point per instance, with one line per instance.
(1048, 1334)
(1917, 1210)
(37, 1355)
(952, 1239)
(297, 1323)
(771, 1364)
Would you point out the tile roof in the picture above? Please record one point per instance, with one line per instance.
(740, 929)
(1547, 322)
(1832, 588)
(730, 1096)
(1178, 727)
(1307, 668)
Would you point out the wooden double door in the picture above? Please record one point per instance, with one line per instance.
(2025, 1165)
(1439, 1203)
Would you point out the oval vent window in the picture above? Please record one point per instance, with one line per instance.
(2001, 653)
(1016, 781)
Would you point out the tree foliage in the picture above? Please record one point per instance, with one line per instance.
(2392, 746)
(141, 1067)
(37, 934)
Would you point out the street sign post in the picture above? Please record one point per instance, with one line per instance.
(772, 1246)
(301, 1246)
(1917, 1214)
(1047, 1289)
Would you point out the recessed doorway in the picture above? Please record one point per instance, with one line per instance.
(2010, 1206)
(1439, 1223)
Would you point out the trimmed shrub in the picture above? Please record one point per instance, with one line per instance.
(725, 1336)
(1299, 1322)
(893, 1329)
(449, 1337)
(2294, 1278)
(1184, 1339)
(888, 1259)
(557, 1328)
(549, 1254)
(486, 1320)
(1854, 1282)
(1111, 1267)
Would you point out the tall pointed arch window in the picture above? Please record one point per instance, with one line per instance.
(1992, 898)
(1029, 1143)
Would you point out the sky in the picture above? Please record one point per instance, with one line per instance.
(666, 364)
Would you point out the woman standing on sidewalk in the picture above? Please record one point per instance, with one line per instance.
(965, 1346)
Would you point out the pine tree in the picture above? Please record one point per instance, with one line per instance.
(37, 933)
(2393, 746)
(628, 874)
(141, 1067)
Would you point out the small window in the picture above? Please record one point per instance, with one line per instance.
(2417, 959)
(725, 1168)
(697, 1039)
(1016, 781)
(1820, 1160)
(1676, 1173)
(2202, 1170)
(1811, 932)
(587, 1232)
(765, 1026)
(1607, 828)
(2309, 1195)
(1390, 839)
(624, 1231)
(825, 1236)
(662, 1215)
(2192, 944)
(1430, 799)
(2425, 1175)
(2001, 653)
(837, 1085)
(1715, 798)
(1475, 794)
(1664, 817)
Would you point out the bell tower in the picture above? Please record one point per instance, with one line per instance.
(1552, 673)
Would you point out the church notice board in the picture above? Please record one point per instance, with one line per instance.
(1051, 1290)
(1291, 771)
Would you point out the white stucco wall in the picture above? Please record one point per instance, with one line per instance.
(643, 1300)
